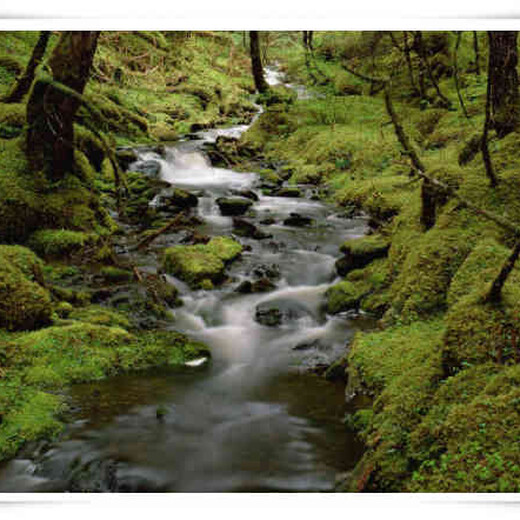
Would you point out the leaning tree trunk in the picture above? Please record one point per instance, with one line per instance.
(23, 84)
(50, 110)
(256, 62)
(503, 81)
(476, 52)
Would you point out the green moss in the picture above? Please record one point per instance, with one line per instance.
(343, 296)
(194, 264)
(98, 315)
(480, 267)
(401, 367)
(474, 439)
(224, 248)
(422, 285)
(60, 243)
(367, 245)
(115, 274)
(24, 303)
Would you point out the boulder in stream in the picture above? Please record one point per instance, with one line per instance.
(247, 229)
(280, 311)
(233, 206)
(297, 220)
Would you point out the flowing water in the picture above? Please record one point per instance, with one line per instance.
(256, 417)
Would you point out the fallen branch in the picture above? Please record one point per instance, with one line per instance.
(175, 223)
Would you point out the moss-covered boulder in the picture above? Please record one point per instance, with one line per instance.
(201, 263)
(422, 285)
(359, 252)
(24, 303)
(343, 296)
(62, 243)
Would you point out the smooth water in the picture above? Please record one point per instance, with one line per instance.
(255, 418)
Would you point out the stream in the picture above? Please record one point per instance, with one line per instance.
(257, 416)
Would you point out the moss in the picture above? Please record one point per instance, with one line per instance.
(24, 303)
(83, 168)
(115, 274)
(194, 264)
(343, 296)
(367, 245)
(478, 332)
(98, 315)
(475, 438)
(424, 279)
(481, 266)
(60, 243)
(224, 248)
(401, 367)
(29, 417)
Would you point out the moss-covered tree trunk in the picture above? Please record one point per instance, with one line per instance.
(50, 110)
(24, 83)
(256, 62)
(503, 81)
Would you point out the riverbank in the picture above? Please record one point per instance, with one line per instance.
(442, 372)
(72, 226)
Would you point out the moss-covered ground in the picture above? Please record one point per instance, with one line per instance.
(442, 369)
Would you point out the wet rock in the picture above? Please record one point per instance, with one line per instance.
(289, 192)
(150, 168)
(233, 206)
(270, 271)
(360, 252)
(309, 345)
(297, 220)
(193, 237)
(246, 229)
(248, 194)
(277, 312)
(269, 221)
(258, 286)
(176, 199)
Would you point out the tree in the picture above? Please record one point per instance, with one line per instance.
(503, 81)
(307, 40)
(25, 81)
(54, 102)
(256, 62)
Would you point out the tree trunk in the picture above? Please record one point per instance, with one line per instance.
(408, 56)
(503, 81)
(256, 62)
(477, 53)
(486, 157)
(23, 84)
(50, 111)
(456, 74)
(495, 294)
(426, 69)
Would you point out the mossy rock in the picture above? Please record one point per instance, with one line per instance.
(425, 276)
(200, 262)
(233, 206)
(359, 252)
(343, 296)
(24, 303)
(61, 243)
(480, 267)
